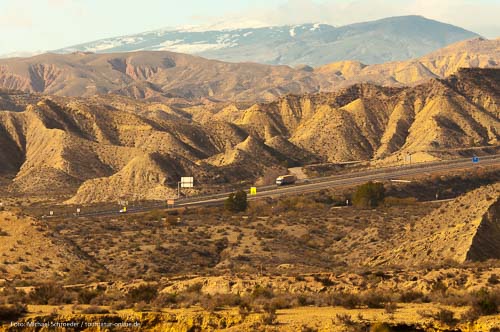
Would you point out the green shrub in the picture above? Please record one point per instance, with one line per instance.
(413, 296)
(50, 293)
(269, 316)
(369, 195)
(166, 300)
(236, 202)
(485, 303)
(143, 293)
(194, 288)
(345, 319)
(445, 316)
(262, 292)
(85, 296)
(375, 300)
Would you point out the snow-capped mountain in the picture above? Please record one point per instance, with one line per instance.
(395, 38)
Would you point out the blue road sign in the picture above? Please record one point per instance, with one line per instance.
(475, 160)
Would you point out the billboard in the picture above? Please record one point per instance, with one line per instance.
(187, 182)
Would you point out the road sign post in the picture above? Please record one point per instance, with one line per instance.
(186, 182)
(408, 158)
(253, 191)
(475, 160)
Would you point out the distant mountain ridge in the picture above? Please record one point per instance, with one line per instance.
(166, 75)
(314, 44)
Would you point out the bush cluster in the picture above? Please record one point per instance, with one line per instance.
(236, 202)
(369, 195)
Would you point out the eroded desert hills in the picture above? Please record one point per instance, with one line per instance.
(83, 146)
(100, 128)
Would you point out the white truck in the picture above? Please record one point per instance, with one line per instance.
(285, 179)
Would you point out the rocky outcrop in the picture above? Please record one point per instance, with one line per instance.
(466, 229)
(486, 242)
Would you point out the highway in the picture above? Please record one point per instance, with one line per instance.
(316, 184)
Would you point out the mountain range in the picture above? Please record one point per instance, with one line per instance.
(169, 76)
(389, 39)
(104, 148)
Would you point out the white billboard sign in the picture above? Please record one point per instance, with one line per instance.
(187, 182)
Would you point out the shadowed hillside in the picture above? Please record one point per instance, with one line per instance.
(140, 149)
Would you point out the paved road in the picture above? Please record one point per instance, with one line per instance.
(316, 184)
(345, 180)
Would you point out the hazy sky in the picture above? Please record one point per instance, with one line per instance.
(31, 25)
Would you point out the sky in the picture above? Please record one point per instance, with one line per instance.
(42, 25)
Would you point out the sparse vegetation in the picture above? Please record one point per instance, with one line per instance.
(50, 293)
(236, 202)
(260, 249)
(143, 293)
(413, 296)
(269, 316)
(485, 302)
(369, 195)
(445, 316)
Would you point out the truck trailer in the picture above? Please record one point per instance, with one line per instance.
(285, 179)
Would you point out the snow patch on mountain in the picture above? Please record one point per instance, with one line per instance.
(180, 46)
(315, 27)
(391, 39)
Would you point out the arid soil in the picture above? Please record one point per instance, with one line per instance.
(297, 263)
